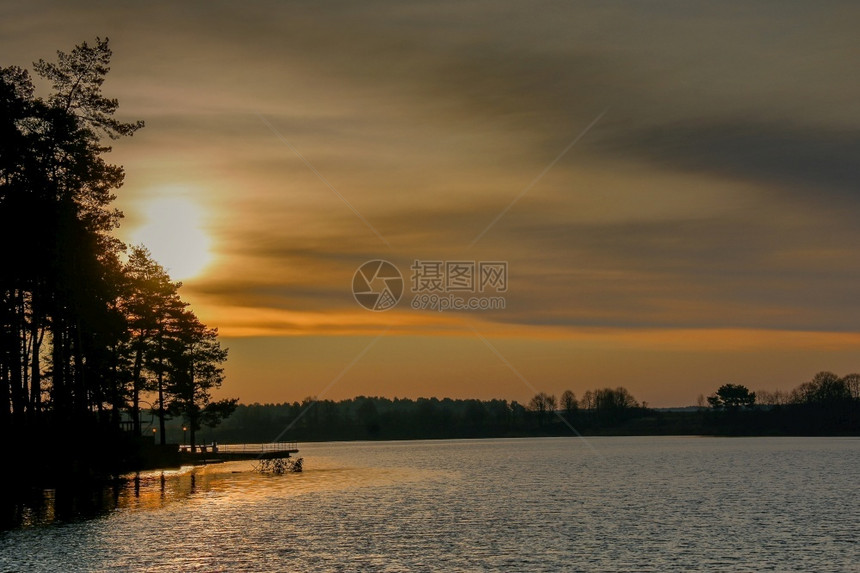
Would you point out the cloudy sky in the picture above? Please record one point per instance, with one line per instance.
(674, 185)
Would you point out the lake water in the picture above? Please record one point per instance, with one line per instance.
(550, 504)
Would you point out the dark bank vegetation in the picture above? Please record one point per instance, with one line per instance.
(826, 405)
(89, 329)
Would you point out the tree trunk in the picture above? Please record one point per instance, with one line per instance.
(19, 360)
(37, 335)
(82, 399)
(57, 368)
(190, 412)
(161, 407)
(115, 389)
(161, 428)
(5, 388)
(135, 390)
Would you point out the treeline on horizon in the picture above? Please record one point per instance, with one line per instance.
(88, 326)
(827, 404)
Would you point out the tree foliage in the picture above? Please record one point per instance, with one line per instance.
(613, 400)
(543, 405)
(82, 333)
(569, 403)
(76, 79)
(732, 397)
(194, 372)
(824, 388)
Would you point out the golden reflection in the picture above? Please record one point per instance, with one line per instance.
(202, 486)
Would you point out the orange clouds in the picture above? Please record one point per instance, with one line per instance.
(709, 218)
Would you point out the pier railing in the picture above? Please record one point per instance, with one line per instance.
(267, 448)
(258, 448)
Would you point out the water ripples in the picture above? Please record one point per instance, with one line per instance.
(644, 504)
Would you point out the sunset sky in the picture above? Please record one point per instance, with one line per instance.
(703, 227)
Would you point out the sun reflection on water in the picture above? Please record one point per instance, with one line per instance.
(210, 485)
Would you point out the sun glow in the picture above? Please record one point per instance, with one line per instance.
(174, 234)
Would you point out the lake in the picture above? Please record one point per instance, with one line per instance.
(545, 504)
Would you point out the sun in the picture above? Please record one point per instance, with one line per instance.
(173, 232)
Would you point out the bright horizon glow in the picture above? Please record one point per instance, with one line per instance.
(173, 232)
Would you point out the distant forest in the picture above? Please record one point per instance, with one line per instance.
(826, 405)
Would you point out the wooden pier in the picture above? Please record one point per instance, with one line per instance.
(219, 453)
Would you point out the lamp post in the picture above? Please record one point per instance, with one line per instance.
(184, 435)
(151, 417)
